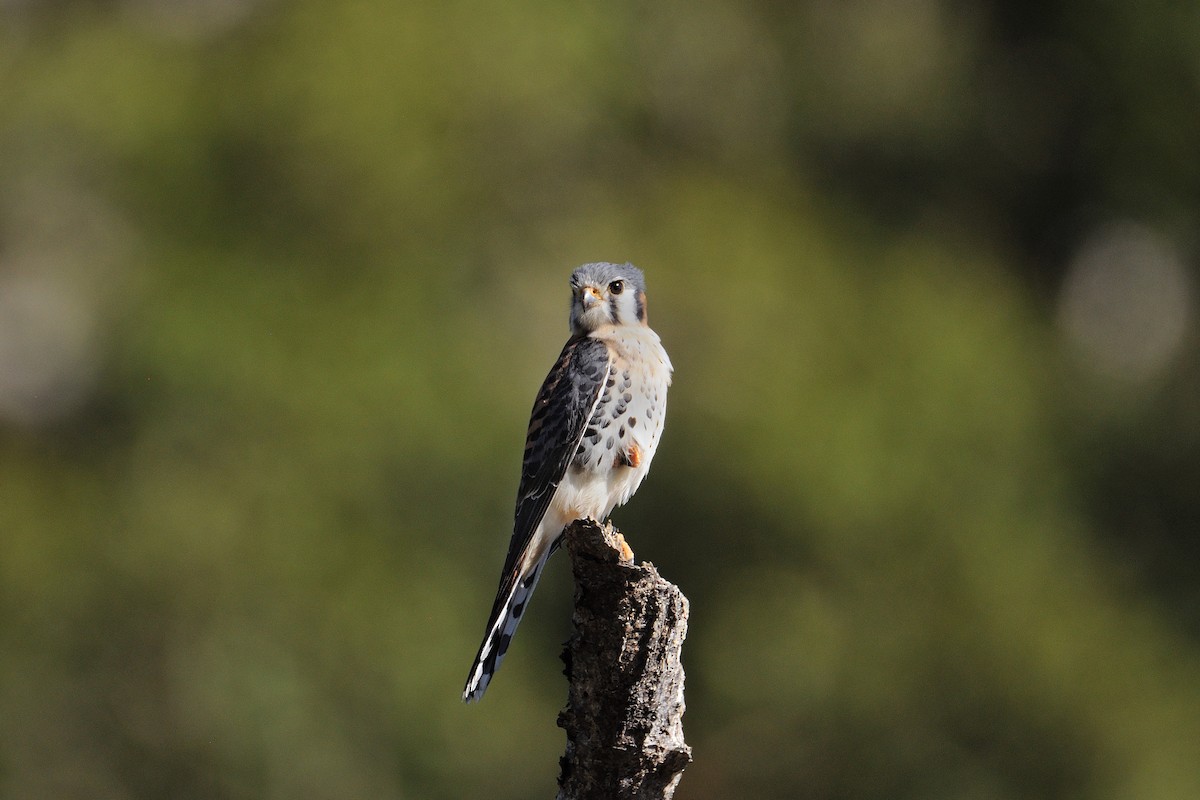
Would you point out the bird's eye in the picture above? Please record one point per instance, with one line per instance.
(616, 287)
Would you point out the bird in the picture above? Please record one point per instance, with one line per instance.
(593, 431)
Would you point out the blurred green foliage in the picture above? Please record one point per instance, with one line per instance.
(278, 281)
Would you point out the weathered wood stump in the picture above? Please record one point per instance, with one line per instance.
(624, 714)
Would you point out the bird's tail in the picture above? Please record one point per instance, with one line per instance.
(510, 605)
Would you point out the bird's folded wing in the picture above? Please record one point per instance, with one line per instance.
(564, 405)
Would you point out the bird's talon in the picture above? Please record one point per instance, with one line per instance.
(626, 552)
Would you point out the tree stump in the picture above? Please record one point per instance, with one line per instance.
(624, 714)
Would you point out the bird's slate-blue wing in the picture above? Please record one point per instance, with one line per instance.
(556, 426)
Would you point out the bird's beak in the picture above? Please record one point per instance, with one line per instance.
(589, 297)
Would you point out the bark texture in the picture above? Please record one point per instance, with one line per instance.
(624, 714)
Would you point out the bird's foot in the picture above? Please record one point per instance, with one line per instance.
(626, 552)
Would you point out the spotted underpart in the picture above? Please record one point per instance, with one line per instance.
(612, 439)
(593, 431)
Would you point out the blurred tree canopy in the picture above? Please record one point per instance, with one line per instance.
(278, 282)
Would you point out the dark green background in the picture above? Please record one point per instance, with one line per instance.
(279, 280)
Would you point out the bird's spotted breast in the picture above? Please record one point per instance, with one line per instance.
(623, 431)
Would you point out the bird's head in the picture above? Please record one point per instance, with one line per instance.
(607, 294)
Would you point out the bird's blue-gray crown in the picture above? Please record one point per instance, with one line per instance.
(602, 273)
(607, 294)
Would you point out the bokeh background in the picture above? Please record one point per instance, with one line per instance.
(279, 280)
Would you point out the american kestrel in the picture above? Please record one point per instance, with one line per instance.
(595, 426)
